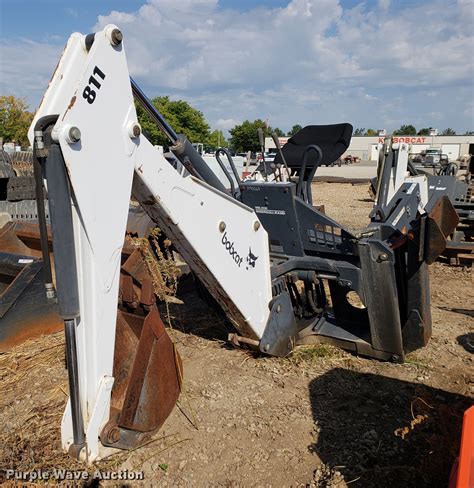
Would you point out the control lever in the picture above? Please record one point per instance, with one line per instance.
(304, 190)
(278, 146)
(220, 151)
(262, 148)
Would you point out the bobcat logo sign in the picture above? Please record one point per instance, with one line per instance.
(236, 257)
(230, 248)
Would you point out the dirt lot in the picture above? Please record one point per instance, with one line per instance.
(321, 417)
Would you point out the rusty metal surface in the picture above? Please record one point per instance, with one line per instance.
(441, 223)
(148, 375)
(147, 368)
(445, 215)
(25, 312)
(127, 293)
(460, 246)
(147, 297)
(28, 234)
(135, 266)
(9, 241)
(237, 340)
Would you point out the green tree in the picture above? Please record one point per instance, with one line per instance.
(448, 132)
(424, 132)
(244, 137)
(180, 115)
(216, 139)
(469, 133)
(371, 132)
(15, 120)
(405, 130)
(296, 128)
(278, 132)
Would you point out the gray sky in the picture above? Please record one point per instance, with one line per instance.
(375, 64)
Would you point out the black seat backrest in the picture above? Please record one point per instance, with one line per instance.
(333, 141)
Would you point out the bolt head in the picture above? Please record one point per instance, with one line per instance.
(74, 134)
(256, 225)
(383, 257)
(136, 130)
(113, 435)
(278, 308)
(222, 226)
(116, 37)
(267, 347)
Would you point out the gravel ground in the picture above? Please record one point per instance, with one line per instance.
(321, 417)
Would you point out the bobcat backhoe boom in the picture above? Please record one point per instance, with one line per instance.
(249, 251)
(93, 126)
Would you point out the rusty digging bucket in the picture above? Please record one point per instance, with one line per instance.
(148, 370)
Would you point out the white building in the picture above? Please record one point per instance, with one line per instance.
(453, 146)
(365, 147)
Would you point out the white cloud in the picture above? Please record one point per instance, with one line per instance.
(226, 124)
(27, 67)
(309, 62)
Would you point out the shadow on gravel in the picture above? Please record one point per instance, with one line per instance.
(196, 316)
(467, 341)
(463, 311)
(384, 432)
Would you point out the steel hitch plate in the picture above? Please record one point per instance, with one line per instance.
(148, 373)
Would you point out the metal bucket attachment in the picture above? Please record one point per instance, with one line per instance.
(25, 312)
(441, 222)
(147, 368)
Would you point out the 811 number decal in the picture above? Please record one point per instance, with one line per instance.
(89, 94)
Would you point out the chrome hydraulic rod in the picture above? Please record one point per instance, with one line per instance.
(74, 395)
(150, 109)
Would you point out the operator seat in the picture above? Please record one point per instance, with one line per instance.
(333, 140)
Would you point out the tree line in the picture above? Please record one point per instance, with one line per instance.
(15, 119)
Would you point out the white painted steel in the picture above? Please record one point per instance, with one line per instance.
(400, 175)
(99, 415)
(218, 235)
(213, 230)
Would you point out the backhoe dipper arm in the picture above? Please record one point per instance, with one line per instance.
(100, 143)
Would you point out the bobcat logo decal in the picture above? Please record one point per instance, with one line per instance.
(251, 258)
(236, 257)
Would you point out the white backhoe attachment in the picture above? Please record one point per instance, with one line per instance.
(87, 136)
(279, 267)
